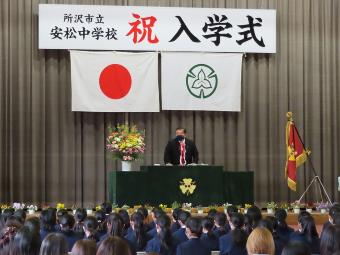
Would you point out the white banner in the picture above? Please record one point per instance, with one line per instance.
(98, 27)
(201, 81)
(114, 81)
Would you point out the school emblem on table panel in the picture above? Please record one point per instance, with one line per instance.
(187, 186)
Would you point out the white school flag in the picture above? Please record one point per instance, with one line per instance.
(201, 81)
(114, 82)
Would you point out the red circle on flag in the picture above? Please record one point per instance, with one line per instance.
(115, 81)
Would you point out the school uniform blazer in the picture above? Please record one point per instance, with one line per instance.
(284, 233)
(172, 152)
(227, 247)
(313, 246)
(175, 226)
(193, 246)
(131, 238)
(218, 232)
(71, 238)
(155, 246)
(180, 236)
(210, 241)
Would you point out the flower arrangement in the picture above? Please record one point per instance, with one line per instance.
(321, 206)
(17, 206)
(4, 206)
(285, 206)
(226, 205)
(32, 209)
(163, 206)
(296, 204)
(98, 207)
(271, 205)
(126, 143)
(247, 206)
(60, 206)
(175, 205)
(187, 206)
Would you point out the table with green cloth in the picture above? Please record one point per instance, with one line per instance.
(200, 185)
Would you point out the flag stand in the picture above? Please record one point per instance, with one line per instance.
(316, 178)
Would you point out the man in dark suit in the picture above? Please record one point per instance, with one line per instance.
(180, 151)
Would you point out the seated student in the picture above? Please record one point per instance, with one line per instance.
(91, 229)
(26, 242)
(307, 233)
(270, 223)
(163, 243)
(4, 216)
(107, 208)
(260, 241)
(194, 245)
(143, 211)
(84, 247)
(101, 219)
(209, 240)
(253, 216)
(126, 220)
(335, 209)
(154, 211)
(48, 221)
(234, 243)
(330, 240)
(79, 217)
(21, 215)
(8, 233)
(212, 212)
(282, 230)
(114, 245)
(180, 235)
(66, 229)
(153, 232)
(175, 224)
(220, 224)
(54, 244)
(231, 209)
(295, 248)
(137, 237)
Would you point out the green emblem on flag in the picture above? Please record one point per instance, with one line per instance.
(201, 81)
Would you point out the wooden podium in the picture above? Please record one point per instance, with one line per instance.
(199, 185)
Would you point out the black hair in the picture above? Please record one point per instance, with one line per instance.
(67, 222)
(281, 215)
(183, 216)
(101, 219)
(139, 230)
(80, 215)
(21, 215)
(336, 219)
(33, 224)
(91, 225)
(48, 219)
(208, 224)
(238, 235)
(164, 223)
(143, 211)
(330, 240)
(194, 224)
(175, 213)
(125, 217)
(333, 210)
(220, 219)
(107, 207)
(295, 248)
(255, 216)
(212, 213)
(6, 213)
(180, 128)
(60, 213)
(115, 225)
(26, 242)
(308, 227)
(265, 223)
(54, 243)
(231, 209)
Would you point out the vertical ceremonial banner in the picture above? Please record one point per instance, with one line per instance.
(114, 82)
(201, 81)
(296, 153)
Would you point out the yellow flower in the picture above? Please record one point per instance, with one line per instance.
(60, 206)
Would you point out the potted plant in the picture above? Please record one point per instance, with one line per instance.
(296, 207)
(271, 206)
(323, 207)
(309, 207)
(16, 206)
(114, 207)
(126, 143)
(32, 209)
(175, 205)
(89, 209)
(163, 207)
(60, 206)
(187, 207)
(225, 207)
(246, 207)
(285, 206)
(200, 209)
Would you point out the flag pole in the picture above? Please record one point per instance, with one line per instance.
(316, 176)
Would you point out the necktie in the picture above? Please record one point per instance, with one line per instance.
(182, 161)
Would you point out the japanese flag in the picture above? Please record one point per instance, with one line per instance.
(201, 81)
(114, 82)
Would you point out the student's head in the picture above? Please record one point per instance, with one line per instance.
(143, 211)
(90, 226)
(66, 222)
(280, 216)
(220, 219)
(101, 219)
(330, 240)
(175, 213)
(295, 248)
(136, 221)
(155, 213)
(48, 219)
(60, 213)
(332, 211)
(33, 224)
(114, 245)
(115, 225)
(84, 247)
(230, 210)
(265, 223)
(207, 224)
(260, 241)
(80, 215)
(163, 223)
(182, 217)
(336, 219)
(125, 216)
(107, 207)
(21, 215)
(26, 242)
(307, 227)
(54, 244)
(6, 213)
(212, 213)
(193, 227)
(236, 220)
(255, 215)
